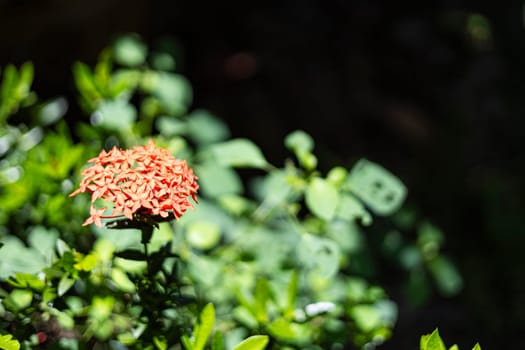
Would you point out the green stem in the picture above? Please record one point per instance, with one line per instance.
(147, 232)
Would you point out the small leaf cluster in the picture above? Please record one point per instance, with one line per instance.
(433, 341)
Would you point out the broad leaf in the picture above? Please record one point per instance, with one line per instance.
(255, 342)
(322, 198)
(379, 189)
(239, 153)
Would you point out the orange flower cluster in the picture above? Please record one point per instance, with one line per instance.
(145, 180)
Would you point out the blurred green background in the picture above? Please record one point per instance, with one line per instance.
(431, 91)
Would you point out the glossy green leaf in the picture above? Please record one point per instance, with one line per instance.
(322, 198)
(255, 342)
(454, 347)
(379, 189)
(27, 280)
(239, 153)
(8, 343)
(432, 342)
(476, 347)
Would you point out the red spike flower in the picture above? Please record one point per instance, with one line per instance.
(143, 181)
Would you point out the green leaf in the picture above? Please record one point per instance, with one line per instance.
(122, 280)
(351, 209)
(239, 153)
(207, 319)
(319, 254)
(217, 180)
(322, 198)
(17, 257)
(476, 347)
(366, 317)
(255, 342)
(262, 294)
(454, 347)
(130, 51)
(447, 277)
(291, 293)
(64, 285)
(218, 341)
(86, 85)
(205, 128)
(19, 299)
(27, 280)
(7, 343)
(379, 189)
(299, 141)
(160, 342)
(203, 234)
(171, 126)
(186, 342)
(173, 90)
(432, 341)
(115, 115)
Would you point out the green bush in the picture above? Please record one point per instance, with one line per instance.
(274, 257)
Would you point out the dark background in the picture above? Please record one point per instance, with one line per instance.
(420, 89)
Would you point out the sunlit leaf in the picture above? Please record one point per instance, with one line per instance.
(432, 342)
(207, 319)
(255, 342)
(366, 317)
(121, 279)
(8, 343)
